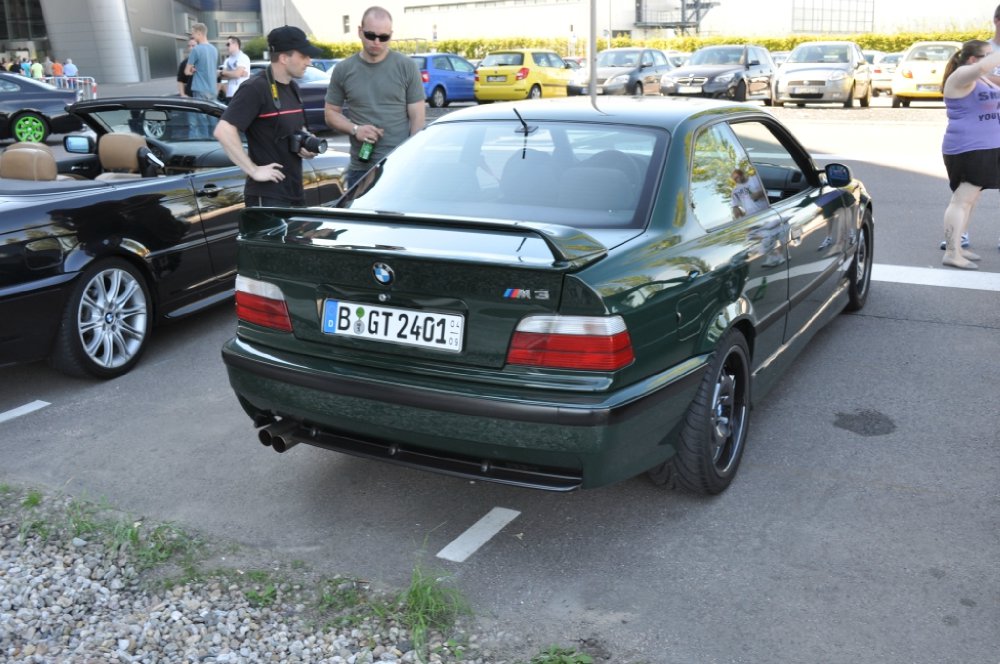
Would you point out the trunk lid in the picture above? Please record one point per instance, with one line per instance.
(458, 286)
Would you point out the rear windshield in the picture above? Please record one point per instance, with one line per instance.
(500, 59)
(585, 175)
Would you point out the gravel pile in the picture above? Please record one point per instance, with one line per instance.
(68, 599)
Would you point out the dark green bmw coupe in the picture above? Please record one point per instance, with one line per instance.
(551, 295)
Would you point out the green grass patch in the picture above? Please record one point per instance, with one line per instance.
(430, 604)
(559, 655)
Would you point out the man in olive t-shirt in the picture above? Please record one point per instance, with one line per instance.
(382, 91)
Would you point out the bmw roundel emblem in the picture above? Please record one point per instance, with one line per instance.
(383, 273)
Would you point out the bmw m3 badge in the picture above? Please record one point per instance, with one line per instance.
(525, 294)
(383, 273)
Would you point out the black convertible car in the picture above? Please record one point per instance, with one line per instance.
(136, 226)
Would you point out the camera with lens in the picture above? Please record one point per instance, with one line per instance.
(302, 139)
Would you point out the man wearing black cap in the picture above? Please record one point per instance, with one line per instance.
(268, 109)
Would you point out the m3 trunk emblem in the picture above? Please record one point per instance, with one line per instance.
(383, 273)
(525, 294)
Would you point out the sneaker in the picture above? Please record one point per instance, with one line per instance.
(965, 242)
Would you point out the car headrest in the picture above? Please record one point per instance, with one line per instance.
(28, 163)
(120, 152)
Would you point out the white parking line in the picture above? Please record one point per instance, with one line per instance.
(23, 410)
(929, 276)
(480, 533)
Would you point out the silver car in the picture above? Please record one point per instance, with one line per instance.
(824, 72)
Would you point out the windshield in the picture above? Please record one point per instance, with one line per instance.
(933, 52)
(502, 59)
(820, 53)
(726, 55)
(618, 58)
(577, 174)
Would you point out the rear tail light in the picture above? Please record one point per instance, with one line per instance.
(261, 303)
(522, 73)
(425, 77)
(571, 342)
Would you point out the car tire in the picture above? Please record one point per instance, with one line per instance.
(866, 100)
(740, 94)
(29, 127)
(849, 102)
(777, 103)
(875, 92)
(438, 98)
(896, 101)
(638, 90)
(107, 322)
(535, 92)
(859, 275)
(711, 441)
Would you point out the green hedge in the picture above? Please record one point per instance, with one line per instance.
(477, 48)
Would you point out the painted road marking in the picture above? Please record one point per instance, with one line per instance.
(23, 410)
(480, 533)
(929, 276)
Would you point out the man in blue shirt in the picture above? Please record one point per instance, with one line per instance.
(203, 65)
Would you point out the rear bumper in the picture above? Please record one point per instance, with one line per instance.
(553, 441)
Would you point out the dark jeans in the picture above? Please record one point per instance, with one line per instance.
(353, 176)
(267, 201)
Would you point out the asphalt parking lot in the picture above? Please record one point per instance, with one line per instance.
(864, 525)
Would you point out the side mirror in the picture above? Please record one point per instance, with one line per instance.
(838, 175)
(753, 63)
(646, 63)
(79, 144)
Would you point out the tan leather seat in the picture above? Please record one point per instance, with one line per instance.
(119, 156)
(28, 161)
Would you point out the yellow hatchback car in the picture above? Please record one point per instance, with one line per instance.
(920, 72)
(521, 74)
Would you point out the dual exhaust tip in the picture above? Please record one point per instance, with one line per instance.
(279, 435)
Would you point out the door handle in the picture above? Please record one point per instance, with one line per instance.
(209, 190)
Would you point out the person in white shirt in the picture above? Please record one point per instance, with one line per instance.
(747, 195)
(236, 68)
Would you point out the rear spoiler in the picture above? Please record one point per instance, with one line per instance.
(571, 247)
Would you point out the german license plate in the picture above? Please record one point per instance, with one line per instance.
(928, 88)
(689, 89)
(806, 90)
(496, 79)
(428, 329)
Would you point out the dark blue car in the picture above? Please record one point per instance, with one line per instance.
(447, 77)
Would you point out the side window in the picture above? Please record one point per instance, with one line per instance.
(724, 184)
(659, 59)
(779, 172)
(442, 63)
(462, 65)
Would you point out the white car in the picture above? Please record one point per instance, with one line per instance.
(824, 72)
(882, 72)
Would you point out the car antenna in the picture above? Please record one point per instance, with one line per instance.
(525, 128)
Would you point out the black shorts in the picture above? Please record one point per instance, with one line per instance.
(977, 167)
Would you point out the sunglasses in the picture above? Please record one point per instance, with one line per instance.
(371, 36)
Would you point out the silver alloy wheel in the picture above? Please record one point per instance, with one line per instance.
(729, 415)
(862, 260)
(112, 319)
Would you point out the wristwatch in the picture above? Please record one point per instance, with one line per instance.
(354, 130)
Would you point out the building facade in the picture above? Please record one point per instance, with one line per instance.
(120, 41)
